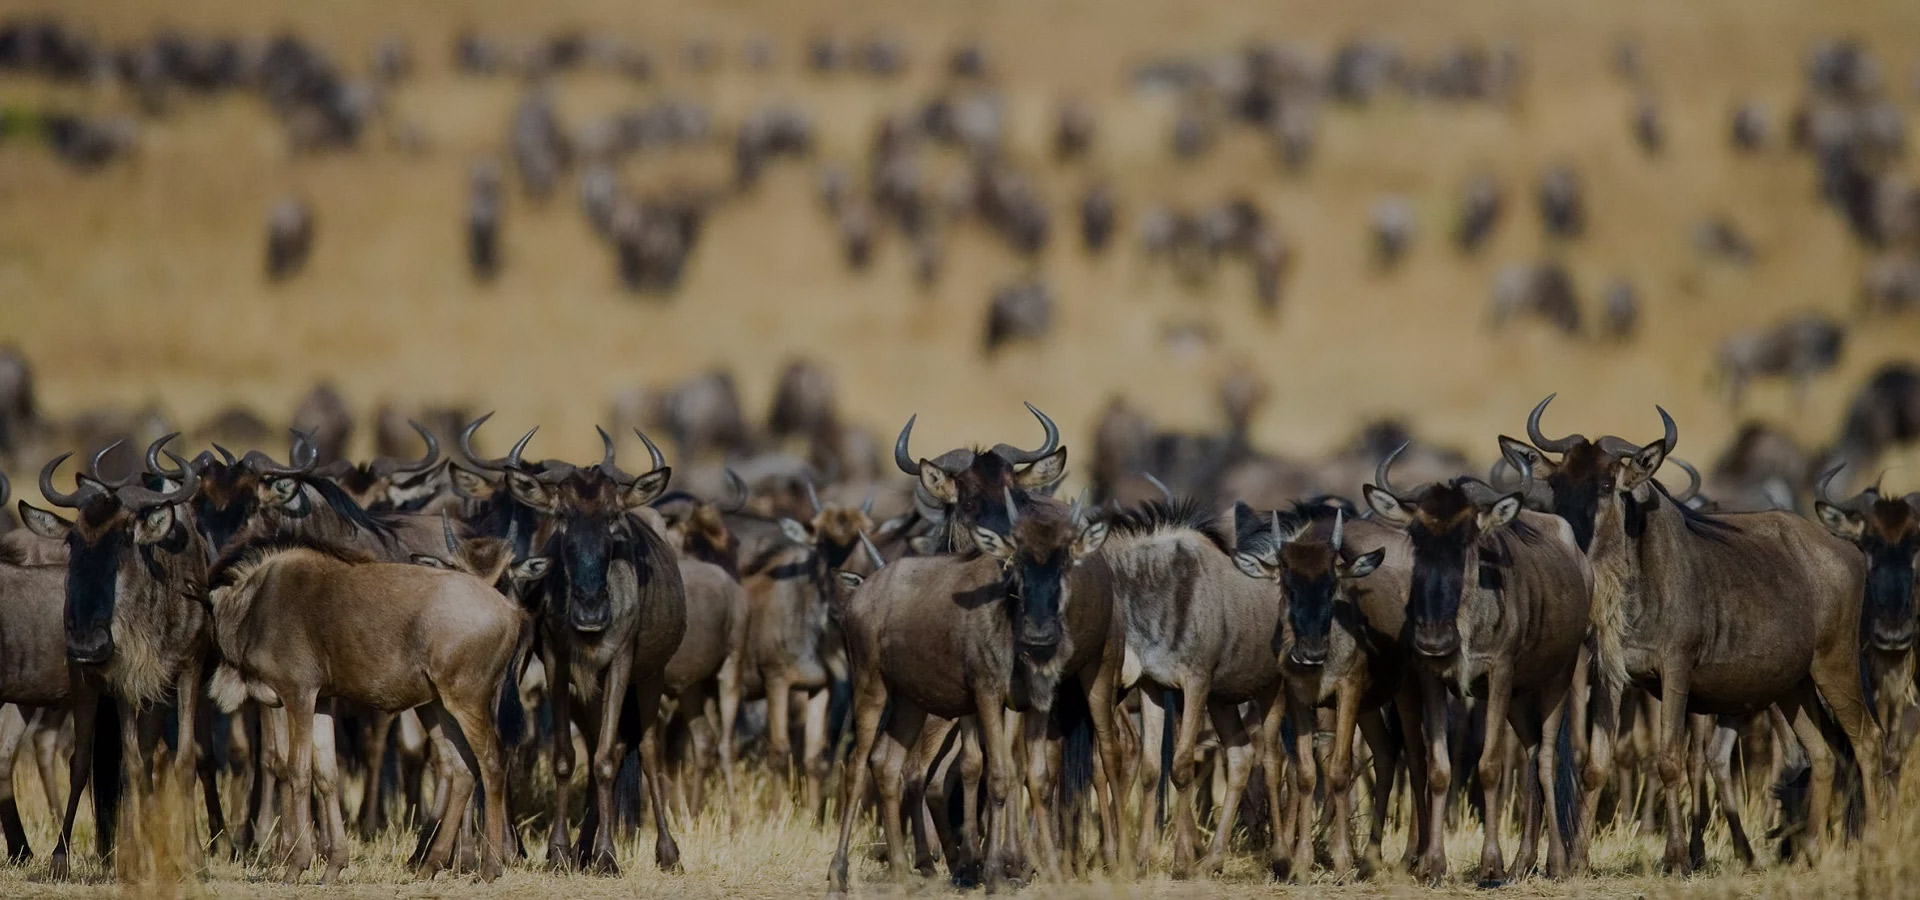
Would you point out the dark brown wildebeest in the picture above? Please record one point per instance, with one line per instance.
(289, 238)
(1747, 127)
(1023, 615)
(483, 221)
(614, 613)
(299, 499)
(1498, 608)
(1800, 348)
(1563, 208)
(1098, 217)
(1481, 203)
(961, 494)
(297, 621)
(1648, 128)
(1544, 291)
(1020, 312)
(134, 618)
(1344, 588)
(1721, 614)
(1885, 413)
(328, 423)
(1073, 131)
(387, 483)
(1620, 311)
(19, 405)
(1887, 530)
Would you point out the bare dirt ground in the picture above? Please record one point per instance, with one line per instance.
(142, 282)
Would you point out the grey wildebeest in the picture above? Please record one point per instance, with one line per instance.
(1722, 614)
(1798, 348)
(298, 620)
(289, 238)
(613, 613)
(134, 618)
(1343, 586)
(1497, 607)
(1023, 614)
(1887, 530)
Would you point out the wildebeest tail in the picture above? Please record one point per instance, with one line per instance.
(510, 715)
(1566, 782)
(1075, 720)
(107, 772)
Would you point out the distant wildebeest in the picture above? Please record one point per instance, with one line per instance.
(1884, 413)
(1498, 597)
(1543, 291)
(296, 621)
(483, 221)
(1891, 284)
(540, 148)
(1481, 203)
(1018, 312)
(1563, 208)
(289, 238)
(1392, 226)
(134, 615)
(19, 404)
(1887, 530)
(1098, 217)
(1648, 129)
(1073, 131)
(1343, 588)
(613, 615)
(325, 420)
(703, 415)
(1779, 595)
(1800, 348)
(1717, 236)
(89, 142)
(1763, 467)
(1620, 311)
(1747, 129)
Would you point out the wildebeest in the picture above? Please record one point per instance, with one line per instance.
(1648, 129)
(1073, 131)
(1022, 311)
(1563, 208)
(1392, 230)
(1717, 236)
(1887, 530)
(1097, 217)
(325, 420)
(289, 238)
(1481, 203)
(1497, 607)
(1545, 291)
(136, 566)
(483, 221)
(1884, 413)
(299, 620)
(1722, 614)
(1747, 127)
(1800, 348)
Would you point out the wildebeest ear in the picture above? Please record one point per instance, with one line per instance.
(1386, 505)
(647, 487)
(851, 580)
(1500, 513)
(528, 489)
(795, 531)
(1840, 523)
(533, 568)
(45, 524)
(993, 543)
(430, 561)
(471, 484)
(1044, 471)
(1522, 455)
(1641, 466)
(937, 482)
(284, 491)
(154, 525)
(1089, 541)
(1364, 564)
(1252, 566)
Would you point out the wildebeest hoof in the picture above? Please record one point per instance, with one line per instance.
(58, 868)
(1212, 864)
(603, 864)
(1281, 869)
(1487, 884)
(667, 856)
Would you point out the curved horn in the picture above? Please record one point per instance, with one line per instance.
(866, 506)
(1693, 479)
(736, 492)
(1018, 456)
(139, 498)
(658, 459)
(1339, 528)
(606, 442)
(93, 468)
(1273, 524)
(1670, 433)
(466, 447)
(446, 532)
(513, 456)
(431, 459)
(879, 561)
(813, 496)
(1820, 484)
(1551, 445)
(226, 456)
(153, 455)
(901, 457)
(53, 495)
(1013, 512)
(513, 535)
(1165, 492)
(263, 464)
(1380, 471)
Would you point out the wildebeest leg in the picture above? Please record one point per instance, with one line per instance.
(666, 853)
(556, 657)
(1306, 773)
(298, 711)
(1525, 743)
(607, 753)
(1407, 705)
(815, 762)
(13, 732)
(779, 690)
(208, 771)
(1836, 675)
(1720, 762)
(410, 749)
(1603, 710)
(79, 767)
(973, 768)
(1273, 768)
(1671, 733)
(1236, 744)
(372, 811)
(139, 736)
(1549, 780)
(729, 707)
(892, 759)
(472, 735)
(326, 781)
(869, 702)
(1647, 725)
(1116, 843)
(1801, 709)
(44, 738)
(1041, 745)
(1433, 723)
(1492, 771)
(1701, 728)
(996, 738)
(1340, 774)
(1186, 831)
(1386, 760)
(915, 796)
(455, 790)
(1153, 721)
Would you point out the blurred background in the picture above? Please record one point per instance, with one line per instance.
(1251, 244)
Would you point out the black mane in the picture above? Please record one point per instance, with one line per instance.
(1189, 513)
(380, 524)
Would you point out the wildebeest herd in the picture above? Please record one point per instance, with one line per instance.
(1213, 652)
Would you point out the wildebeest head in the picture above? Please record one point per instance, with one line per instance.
(962, 488)
(1445, 522)
(489, 559)
(1042, 544)
(387, 483)
(1888, 531)
(227, 499)
(835, 531)
(1593, 478)
(590, 511)
(1314, 574)
(126, 538)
